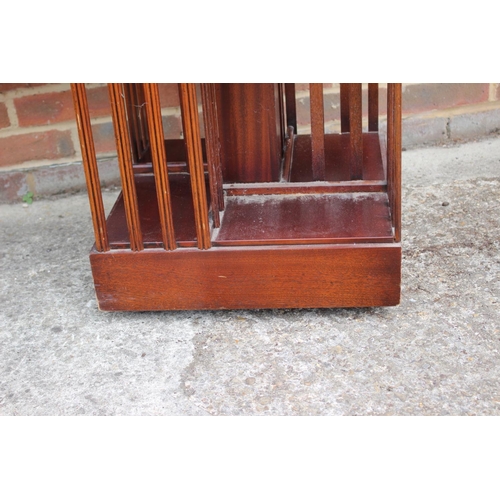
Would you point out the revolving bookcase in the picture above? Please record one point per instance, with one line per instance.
(242, 211)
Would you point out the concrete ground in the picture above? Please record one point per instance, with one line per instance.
(435, 354)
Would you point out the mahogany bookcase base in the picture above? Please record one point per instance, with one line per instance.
(257, 277)
(242, 211)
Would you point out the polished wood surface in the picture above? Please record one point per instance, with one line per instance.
(248, 278)
(317, 132)
(91, 170)
(337, 158)
(297, 219)
(159, 160)
(191, 127)
(124, 151)
(254, 214)
(250, 132)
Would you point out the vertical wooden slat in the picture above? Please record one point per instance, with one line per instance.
(373, 107)
(137, 121)
(211, 144)
(159, 159)
(394, 155)
(317, 131)
(356, 131)
(344, 107)
(143, 123)
(133, 122)
(191, 127)
(123, 150)
(218, 162)
(90, 166)
(291, 106)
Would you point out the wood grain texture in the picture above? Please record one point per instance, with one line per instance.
(227, 278)
(338, 158)
(344, 107)
(191, 127)
(373, 107)
(212, 146)
(287, 163)
(90, 166)
(124, 151)
(394, 148)
(355, 131)
(317, 131)
(301, 219)
(291, 106)
(250, 132)
(159, 160)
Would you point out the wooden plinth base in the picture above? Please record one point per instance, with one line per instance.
(257, 277)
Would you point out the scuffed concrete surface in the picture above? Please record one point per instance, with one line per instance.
(435, 354)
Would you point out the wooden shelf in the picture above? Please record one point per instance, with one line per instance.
(252, 215)
(337, 159)
(306, 219)
(183, 213)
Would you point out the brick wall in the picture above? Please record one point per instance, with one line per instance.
(37, 123)
(38, 129)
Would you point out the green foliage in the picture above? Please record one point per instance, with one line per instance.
(28, 198)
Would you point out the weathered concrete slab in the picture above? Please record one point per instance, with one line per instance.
(435, 354)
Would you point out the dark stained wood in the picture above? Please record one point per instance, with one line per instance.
(182, 210)
(355, 131)
(191, 127)
(394, 147)
(301, 219)
(265, 188)
(287, 163)
(250, 132)
(152, 100)
(123, 148)
(213, 145)
(286, 239)
(291, 106)
(344, 107)
(249, 278)
(373, 107)
(90, 166)
(337, 158)
(317, 131)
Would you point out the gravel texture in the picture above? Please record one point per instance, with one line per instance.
(435, 354)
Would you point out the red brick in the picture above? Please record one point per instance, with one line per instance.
(48, 145)
(428, 96)
(4, 117)
(498, 91)
(98, 99)
(169, 95)
(5, 87)
(44, 109)
(104, 138)
(55, 107)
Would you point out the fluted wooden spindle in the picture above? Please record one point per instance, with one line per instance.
(159, 159)
(90, 166)
(190, 123)
(317, 131)
(394, 155)
(133, 121)
(123, 149)
(211, 147)
(356, 131)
